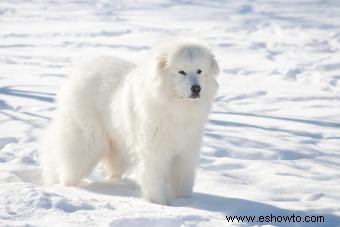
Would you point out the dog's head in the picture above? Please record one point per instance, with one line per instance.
(188, 70)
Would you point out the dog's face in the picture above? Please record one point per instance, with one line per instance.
(189, 71)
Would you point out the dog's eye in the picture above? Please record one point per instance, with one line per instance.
(182, 72)
(199, 71)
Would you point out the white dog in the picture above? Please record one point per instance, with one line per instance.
(112, 111)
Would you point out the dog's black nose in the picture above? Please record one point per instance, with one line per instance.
(195, 89)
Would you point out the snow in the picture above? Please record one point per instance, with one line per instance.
(271, 145)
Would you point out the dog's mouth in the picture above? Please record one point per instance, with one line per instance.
(191, 98)
(195, 96)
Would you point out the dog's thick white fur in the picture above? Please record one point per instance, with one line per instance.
(113, 111)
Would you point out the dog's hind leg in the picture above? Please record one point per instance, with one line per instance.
(73, 152)
(79, 154)
(114, 163)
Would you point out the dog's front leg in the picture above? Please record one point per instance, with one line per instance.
(153, 177)
(183, 175)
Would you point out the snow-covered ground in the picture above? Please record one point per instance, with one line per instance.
(272, 144)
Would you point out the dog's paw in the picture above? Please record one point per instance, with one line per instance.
(160, 199)
(184, 193)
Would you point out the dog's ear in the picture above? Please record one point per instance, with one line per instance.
(162, 62)
(215, 67)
